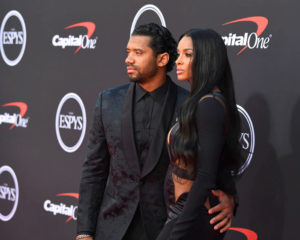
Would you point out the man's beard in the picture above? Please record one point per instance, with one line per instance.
(140, 78)
(136, 79)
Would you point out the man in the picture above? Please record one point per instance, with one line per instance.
(121, 189)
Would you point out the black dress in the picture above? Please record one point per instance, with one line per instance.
(188, 218)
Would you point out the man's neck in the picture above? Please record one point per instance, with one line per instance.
(154, 83)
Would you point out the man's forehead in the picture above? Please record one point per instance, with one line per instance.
(138, 41)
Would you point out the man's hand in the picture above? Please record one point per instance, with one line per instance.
(224, 209)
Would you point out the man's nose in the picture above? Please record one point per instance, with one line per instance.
(129, 60)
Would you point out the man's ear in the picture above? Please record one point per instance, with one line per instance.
(162, 59)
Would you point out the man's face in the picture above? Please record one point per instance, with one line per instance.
(141, 60)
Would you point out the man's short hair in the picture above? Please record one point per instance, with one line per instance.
(161, 41)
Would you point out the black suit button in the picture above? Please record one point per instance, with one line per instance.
(142, 182)
(134, 180)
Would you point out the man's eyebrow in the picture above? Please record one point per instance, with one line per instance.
(135, 49)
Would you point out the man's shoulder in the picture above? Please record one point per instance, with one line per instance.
(182, 91)
(182, 94)
(116, 91)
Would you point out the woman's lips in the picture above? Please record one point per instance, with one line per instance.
(179, 71)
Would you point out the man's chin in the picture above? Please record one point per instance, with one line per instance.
(135, 79)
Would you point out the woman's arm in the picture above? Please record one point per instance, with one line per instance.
(210, 118)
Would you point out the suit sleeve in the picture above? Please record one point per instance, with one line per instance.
(94, 175)
(210, 117)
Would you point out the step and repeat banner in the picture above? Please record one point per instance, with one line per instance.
(57, 55)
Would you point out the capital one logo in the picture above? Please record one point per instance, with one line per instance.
(148, 7)
(251, 40)
(9, 193)
(70, 122)
(249, 234)
(62, 208)
(15, 119)
(83, 41)
(12, 38)
(247, 138)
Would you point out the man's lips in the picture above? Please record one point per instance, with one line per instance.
(131, 70)
(179, 71)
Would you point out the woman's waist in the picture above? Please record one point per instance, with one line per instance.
(177, 208)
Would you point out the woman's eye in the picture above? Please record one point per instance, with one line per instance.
(189, 54)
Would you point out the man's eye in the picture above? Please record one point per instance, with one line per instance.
(138, 52)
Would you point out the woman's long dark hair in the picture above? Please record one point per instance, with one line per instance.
(210, 68)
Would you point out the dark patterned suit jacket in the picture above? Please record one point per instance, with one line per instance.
(112, 183)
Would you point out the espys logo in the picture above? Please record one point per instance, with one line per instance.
(62, 208)
(249, 234)
(70, 122)
(12, 38)
(148, 7)
(9, 193)
(251, 40)
(15, 119)
(82, 41)
(247, 139)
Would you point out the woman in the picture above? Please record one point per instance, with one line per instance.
(203, 144)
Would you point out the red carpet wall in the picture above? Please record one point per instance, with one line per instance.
(57, 55)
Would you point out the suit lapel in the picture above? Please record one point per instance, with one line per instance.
(127, 132)
(159, 139)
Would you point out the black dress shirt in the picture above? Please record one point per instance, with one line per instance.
(147, 110)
